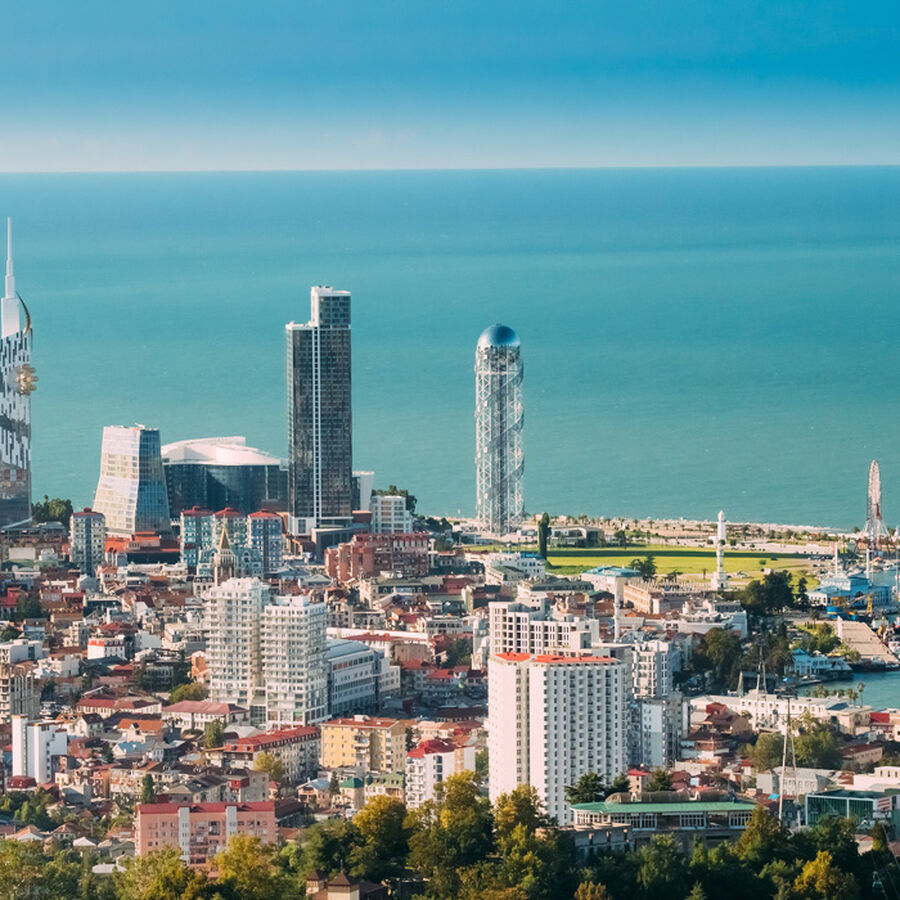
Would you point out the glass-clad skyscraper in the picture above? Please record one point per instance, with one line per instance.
(499, 419)
(131, 492)
(319, 413)
(17, 381)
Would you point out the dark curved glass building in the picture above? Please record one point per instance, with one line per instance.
(221, 472)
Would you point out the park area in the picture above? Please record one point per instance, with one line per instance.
(683, 560)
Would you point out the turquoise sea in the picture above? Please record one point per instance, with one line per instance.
(693, 339)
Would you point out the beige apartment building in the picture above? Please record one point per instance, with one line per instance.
(365, 743)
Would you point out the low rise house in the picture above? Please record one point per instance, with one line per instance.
(710, 819)
(195, 715)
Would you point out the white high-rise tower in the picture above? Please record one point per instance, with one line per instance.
(720, 577)
(17, 381)
(499, 419)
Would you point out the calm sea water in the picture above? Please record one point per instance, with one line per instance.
(882, 689)
(692, 339)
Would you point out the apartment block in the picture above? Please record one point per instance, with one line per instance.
(200, 830)
(552, 718)
(364, 743)
(429, 764)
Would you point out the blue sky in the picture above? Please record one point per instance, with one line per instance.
(432, 84)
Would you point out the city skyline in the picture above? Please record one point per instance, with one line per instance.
(94, 88)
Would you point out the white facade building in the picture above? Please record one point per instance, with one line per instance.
(390, 515)
(659, 723)
(233, 622)
(518, 626)
(266, 653)
(87, 540)
(34, 744)
(552, 719)
(19, 695)
(654, 664)
(430, 764)
(354, 672)
(293, 661)
(532, 565)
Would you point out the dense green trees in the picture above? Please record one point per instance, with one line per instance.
(55, 510)
(148, 789)
(272, 765)
(213, 734)
(815, 745)
(189, 691)
(771, 595)
(451, 834)
(459, 847)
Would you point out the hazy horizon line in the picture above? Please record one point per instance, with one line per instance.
(355, 169)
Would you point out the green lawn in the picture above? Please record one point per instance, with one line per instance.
(687, 560)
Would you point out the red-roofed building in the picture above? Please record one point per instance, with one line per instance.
(200, 830)
(297, 748)
(432, 762)
(368, 554)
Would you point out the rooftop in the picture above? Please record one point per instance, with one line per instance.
(498, 336)
(674, 808)
(217, 451)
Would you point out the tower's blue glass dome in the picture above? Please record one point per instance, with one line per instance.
(498, 336)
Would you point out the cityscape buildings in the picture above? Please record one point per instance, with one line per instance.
(87, 540)
(201, 830)
(265, 538)
(390, 514)
(131, 492)
(266, 653)
(499, 420)
(17, 381)
(551, 720)
(223, 472)
(320, 490)
(293, 661)
(429, 764)
(233, 616)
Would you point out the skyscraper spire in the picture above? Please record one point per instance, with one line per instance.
(9, 317)
(10, 277)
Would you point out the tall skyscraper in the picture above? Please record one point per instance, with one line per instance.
(131, 492)
(17, 381)
(319, 413)
(499, 419)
